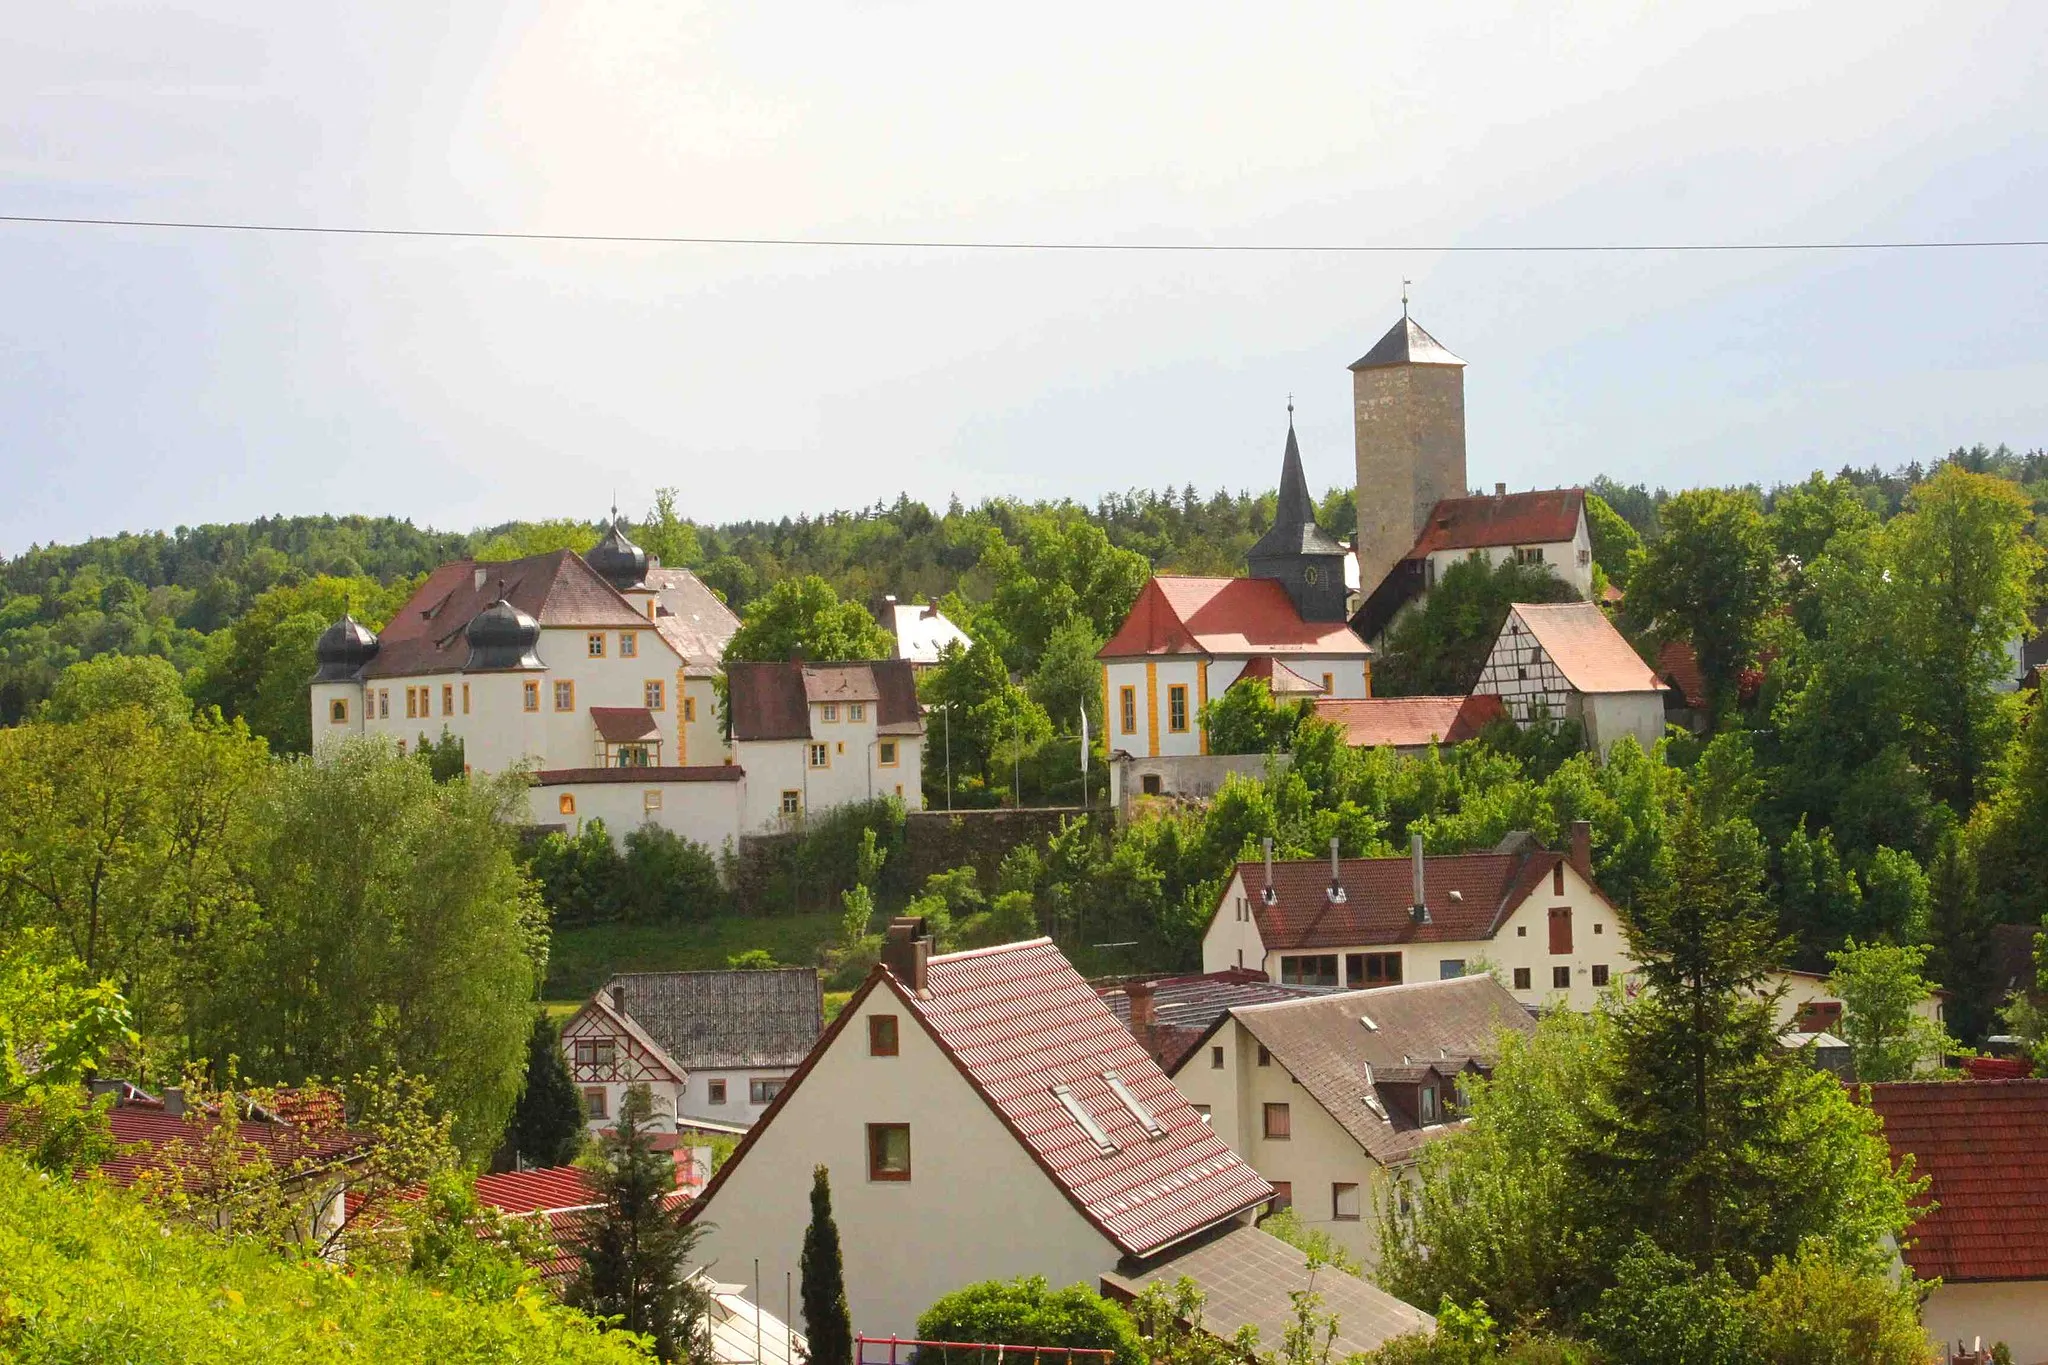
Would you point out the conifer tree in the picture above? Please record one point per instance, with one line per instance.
(635, 1248)
(828, 1324)
(547, 1123)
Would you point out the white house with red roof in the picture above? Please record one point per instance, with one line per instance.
(1565, 661)
(1531, 915)
(983, 1116)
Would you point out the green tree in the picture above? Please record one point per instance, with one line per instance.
(987, 718)
(1881, 988)
(1068, 680)
(1249, 719)
(1059, 569)
(1030, 1312)
(667, 536)
(1614, 540)
(635, 1248)
(1816, 1309)
(547, 1124)
(96, 686)
(1962, 956)
(2005, 832)
(397, 934)
(1439, 648)
(1662, 1308)
(803, 616)
(55, 1031)
(523, 538)
(828, 1323)
(1710, 579)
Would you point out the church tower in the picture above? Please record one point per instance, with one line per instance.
(1408, 413)
(1298, 552)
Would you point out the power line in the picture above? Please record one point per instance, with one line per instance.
(913, 244)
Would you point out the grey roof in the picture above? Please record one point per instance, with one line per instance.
(1326, 1046)
(691, 618)
(1294, 530)
(1187, 1008)
(1246, 1277)
(726, 1019)
(1405, 344)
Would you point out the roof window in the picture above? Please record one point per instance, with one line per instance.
(1144, 1116)
(1087, 1120)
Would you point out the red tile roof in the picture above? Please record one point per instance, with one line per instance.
(1281, 680)
(1985, 1143)
(557, 589)
(1224, 616)
(1411, 722)
(1679, 666)
(145, 1127)
(1018, 1020)
(1377, 893)
(624, 724)
(1586, 647)
(1545, 517)
(546, 1190)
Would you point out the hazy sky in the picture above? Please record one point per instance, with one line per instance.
(149, 379)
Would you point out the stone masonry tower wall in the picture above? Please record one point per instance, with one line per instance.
(1408, 414)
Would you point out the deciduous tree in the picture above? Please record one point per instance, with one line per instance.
(803, 616)
(1710, 579)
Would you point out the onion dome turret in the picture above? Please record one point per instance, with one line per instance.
(343, 649)
(618, 561)
(502, 637)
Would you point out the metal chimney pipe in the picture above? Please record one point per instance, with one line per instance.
(1337, 896)
(1415, 860)
(1269, 895)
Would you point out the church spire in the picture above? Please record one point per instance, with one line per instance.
(1297, 551)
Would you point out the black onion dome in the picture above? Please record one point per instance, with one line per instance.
(618, 561)
(500, 637)
(342, 650)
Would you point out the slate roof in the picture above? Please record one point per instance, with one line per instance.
(1186, 1008)
(773, 700)
(1544, 517)
(1378, 892)
(1330, 1052)
(1294, 530)
(1410, 722)
(1585, 646)
(1405, 344)
(1985, 1143)
(706, 1020)
(1247, 1278)
(696, 624)
(1175, 614)
(557, 589)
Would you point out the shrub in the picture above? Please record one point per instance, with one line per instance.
(1813, 1310)
(1028, 1312)
(1660, 1309)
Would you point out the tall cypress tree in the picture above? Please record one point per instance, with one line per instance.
(634, 1248)
(827, 1322)
(546, 1128)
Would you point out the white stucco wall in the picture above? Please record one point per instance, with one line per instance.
(1801, 988)
(853, 770)
(703, 734)
(1570, 560)
(975, 1208)
(707, 813)
(2012, 1311)
(1611, 715)
(739, 1109)
(1152, 681)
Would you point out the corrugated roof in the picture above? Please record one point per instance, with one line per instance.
(1985, 1143)
(1410, 722)
(1585, 646)
(725, 1019)
(557, 589)
(1405, 344)
(1378, 891)
(1325, 1046)
(1544, 517)
(1224, 616)
(1248, 1278)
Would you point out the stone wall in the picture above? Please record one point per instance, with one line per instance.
(937, 841)
(1194, 777)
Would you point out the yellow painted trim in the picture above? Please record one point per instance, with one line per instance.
(682, 713)
(1368, 677)
(1202, 689)
(559, 684)
(1106, 721)
(1152, 708)
(1185, 718)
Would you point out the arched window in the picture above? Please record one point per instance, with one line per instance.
(337, 711)
(568, 803)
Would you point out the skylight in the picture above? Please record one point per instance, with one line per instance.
(1144, 1116)
(1370, 1026)
(1087, 1120)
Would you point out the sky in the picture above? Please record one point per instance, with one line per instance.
(155, 378)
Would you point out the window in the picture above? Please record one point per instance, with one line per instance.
(654, 695)
(821, 755)
(831, 710)
(594, 1105)
(690, 710)
(1560, 929)
(1215, 1059)
(888, 1151)
(715, 1091)
(1600, 973)
(1127, 709)
(1177, 708)
(565, 695)
(337, 711)
(792, 802)
(596, 1051)
(1817, 1016)
(630, 756)
(567, 804)
(1521, 931)
(1329, 684)
(882, 1040)
(763, 1091)
(1599, 927)
(1203, 1110)
(650, 799)
(1521, 978)
(1313, 969)
(1265, 1055)
(1530, 555)
(1428, 1104)
(1372, 969)
(856, 710)
(1557, 880)
(1561, 978)
(596, 644)
(885, 753)
(1585, 558)
(1279, 1123)
(840, 747)
(412, 697)
(383, 703)
(629, 645)
(1283, 1196)
(1344, 1202)
(1151, 784)
(465, 699)
(1450, 968)
(530, 696)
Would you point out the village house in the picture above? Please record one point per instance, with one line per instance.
(1530, 915)
(1565, 662)
(698, 626)
(1806, 1004)
(1168, 1015)
(814, 736)
(1411, 725)
(1983, 1229)
(713, 1048)
(983, 1116)
(1331, 1098)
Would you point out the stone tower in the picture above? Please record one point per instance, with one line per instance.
(1408, 412)
(1297, 551)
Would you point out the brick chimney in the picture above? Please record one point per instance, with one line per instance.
(1144, 1011)
(906, 949)
(1582, 848)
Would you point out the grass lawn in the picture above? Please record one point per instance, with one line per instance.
(584, 956)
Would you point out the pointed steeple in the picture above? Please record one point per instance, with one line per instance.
(1295, 550)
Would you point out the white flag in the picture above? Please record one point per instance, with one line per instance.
(1084, 743)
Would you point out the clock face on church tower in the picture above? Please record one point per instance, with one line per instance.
(1308, 574)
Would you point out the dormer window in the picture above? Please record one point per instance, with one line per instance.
(1428, 1107)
